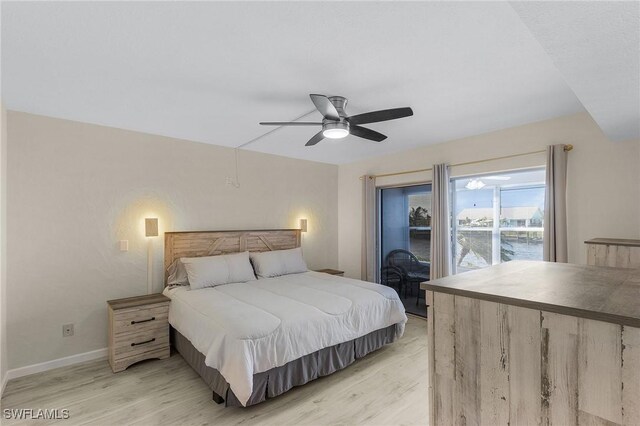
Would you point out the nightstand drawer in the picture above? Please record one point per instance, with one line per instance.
(130, 344)
(137, 320)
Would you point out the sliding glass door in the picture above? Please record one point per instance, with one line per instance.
(497, 218)
(405, 241)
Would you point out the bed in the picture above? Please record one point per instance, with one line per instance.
(254, 340)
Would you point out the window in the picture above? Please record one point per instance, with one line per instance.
(497, 218)
(405, 221)
(420, 225)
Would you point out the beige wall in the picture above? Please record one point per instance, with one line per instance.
(3, 247)
(76, 189)
(603, 188)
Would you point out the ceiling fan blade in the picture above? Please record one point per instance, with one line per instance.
(382, 115)
(289, 123)
(315, 139)
(324, 105)
(363, 132)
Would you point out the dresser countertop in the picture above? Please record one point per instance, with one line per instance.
(614, 242)
(600, 293)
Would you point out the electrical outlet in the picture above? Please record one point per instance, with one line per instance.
(228, 180)
(67, 330)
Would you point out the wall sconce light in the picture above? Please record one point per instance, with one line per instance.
(150, 230)
(151, 227)
(303, 225)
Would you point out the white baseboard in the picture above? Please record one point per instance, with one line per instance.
(55, 363)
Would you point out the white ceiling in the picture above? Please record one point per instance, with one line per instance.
(210, 72)
(596, 47)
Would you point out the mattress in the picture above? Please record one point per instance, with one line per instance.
(248, 328)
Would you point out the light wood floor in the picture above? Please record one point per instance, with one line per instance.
(388, 387)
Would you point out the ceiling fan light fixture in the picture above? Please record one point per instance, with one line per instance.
(336, 130)
(335, 133)
(475, 184)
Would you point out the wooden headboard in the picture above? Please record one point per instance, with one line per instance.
(211, 243)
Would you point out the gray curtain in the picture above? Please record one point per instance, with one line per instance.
(440, 223)
(368, 255)
(555, 206)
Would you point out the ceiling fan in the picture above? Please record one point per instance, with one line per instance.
(479, 184)
(336, 124)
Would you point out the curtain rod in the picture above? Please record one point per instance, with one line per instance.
(567, 148)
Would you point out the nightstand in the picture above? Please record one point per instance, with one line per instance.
(331, 272)
(138, 330)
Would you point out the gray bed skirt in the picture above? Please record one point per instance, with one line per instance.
(279, 380)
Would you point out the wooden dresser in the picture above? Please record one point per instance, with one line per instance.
(138, 330)
(535, 343)
(616, 252)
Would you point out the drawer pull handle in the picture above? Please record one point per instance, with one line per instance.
(147, 320)
(142, 343)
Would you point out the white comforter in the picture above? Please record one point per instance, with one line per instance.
(247, 328)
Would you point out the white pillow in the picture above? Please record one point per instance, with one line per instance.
(177, 274)
(280, 262)
(212, 271)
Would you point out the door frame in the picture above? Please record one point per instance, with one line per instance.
(378, 244)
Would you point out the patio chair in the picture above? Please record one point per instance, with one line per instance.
(413, 271)
(392, 276)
